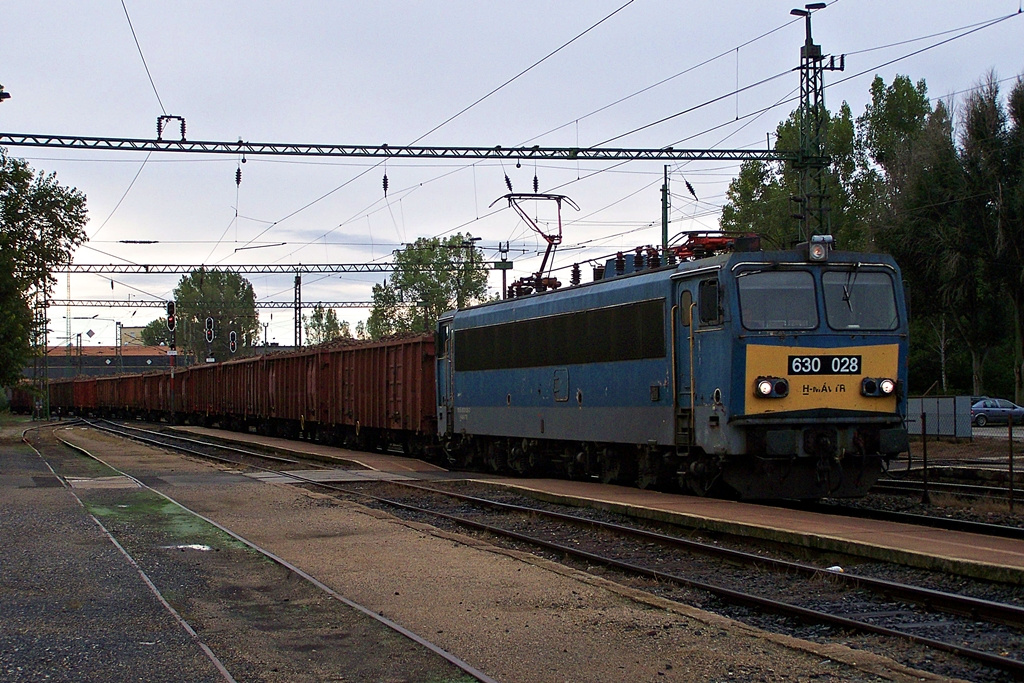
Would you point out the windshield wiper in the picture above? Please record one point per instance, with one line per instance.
(850, 280)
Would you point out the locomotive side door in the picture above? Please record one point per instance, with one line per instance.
(444, 377)
(684, 309)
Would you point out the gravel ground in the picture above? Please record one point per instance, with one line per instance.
(71, 608)
(510, 614)
(74, 608)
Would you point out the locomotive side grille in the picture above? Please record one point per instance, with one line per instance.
(627, 332)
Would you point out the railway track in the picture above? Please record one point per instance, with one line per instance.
(986, 632)
(200, 449)
(208, 449)
(843, 601)
(911, 487)
(947, 523)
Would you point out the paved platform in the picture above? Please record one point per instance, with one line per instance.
(975, 555)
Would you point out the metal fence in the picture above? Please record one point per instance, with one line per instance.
(946, 445)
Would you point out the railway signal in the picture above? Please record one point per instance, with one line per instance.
(209, 329)
(232, 341)
(170, 316)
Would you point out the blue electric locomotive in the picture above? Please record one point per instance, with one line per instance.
(754, 374)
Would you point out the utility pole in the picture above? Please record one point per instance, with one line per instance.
(664, 213)
(298, 310)
(812, 159)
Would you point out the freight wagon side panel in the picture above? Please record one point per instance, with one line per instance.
(388, 385)
(328, 395)
(84, 392)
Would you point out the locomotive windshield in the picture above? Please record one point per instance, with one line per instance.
(860, 300)
(777, 300)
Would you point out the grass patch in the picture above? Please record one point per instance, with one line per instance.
(135, 508)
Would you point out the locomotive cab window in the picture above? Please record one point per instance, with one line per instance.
(710, 304)
(860, 300)
(777, 300)
(443, 335)
(685, 308)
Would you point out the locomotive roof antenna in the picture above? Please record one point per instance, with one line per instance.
(552, 239)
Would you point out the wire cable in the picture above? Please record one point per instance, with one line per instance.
(144, 64)
(522, 73)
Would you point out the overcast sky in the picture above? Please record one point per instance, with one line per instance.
(390, 72)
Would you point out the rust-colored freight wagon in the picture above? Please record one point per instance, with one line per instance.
(390, 386)
(360, 394)
(369, 395)
(22, 399)
(156, 395)
(116, 395)
(202, 394)
(83, 392)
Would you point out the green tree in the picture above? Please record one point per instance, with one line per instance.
(885, 134)
(15, 324)
(758, 200)
(994, 171)
(41, 223)
(925, 215)
(431, 276)
(1012, 224)
(228, 299)
(956, 228)
(322, 326)
(156, 333)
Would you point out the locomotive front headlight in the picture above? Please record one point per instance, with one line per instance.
(771, 387)
(819, 246)
(880, 386)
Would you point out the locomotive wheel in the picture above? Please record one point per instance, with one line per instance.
(702, 475)
(650, 472)
(520, 458)
(615, 469)
(495, 457)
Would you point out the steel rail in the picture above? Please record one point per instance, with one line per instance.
(947, 523)
(173, 437)
(1010, 615)
(913, 487)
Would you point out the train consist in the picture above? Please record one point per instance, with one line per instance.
(745, 373)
